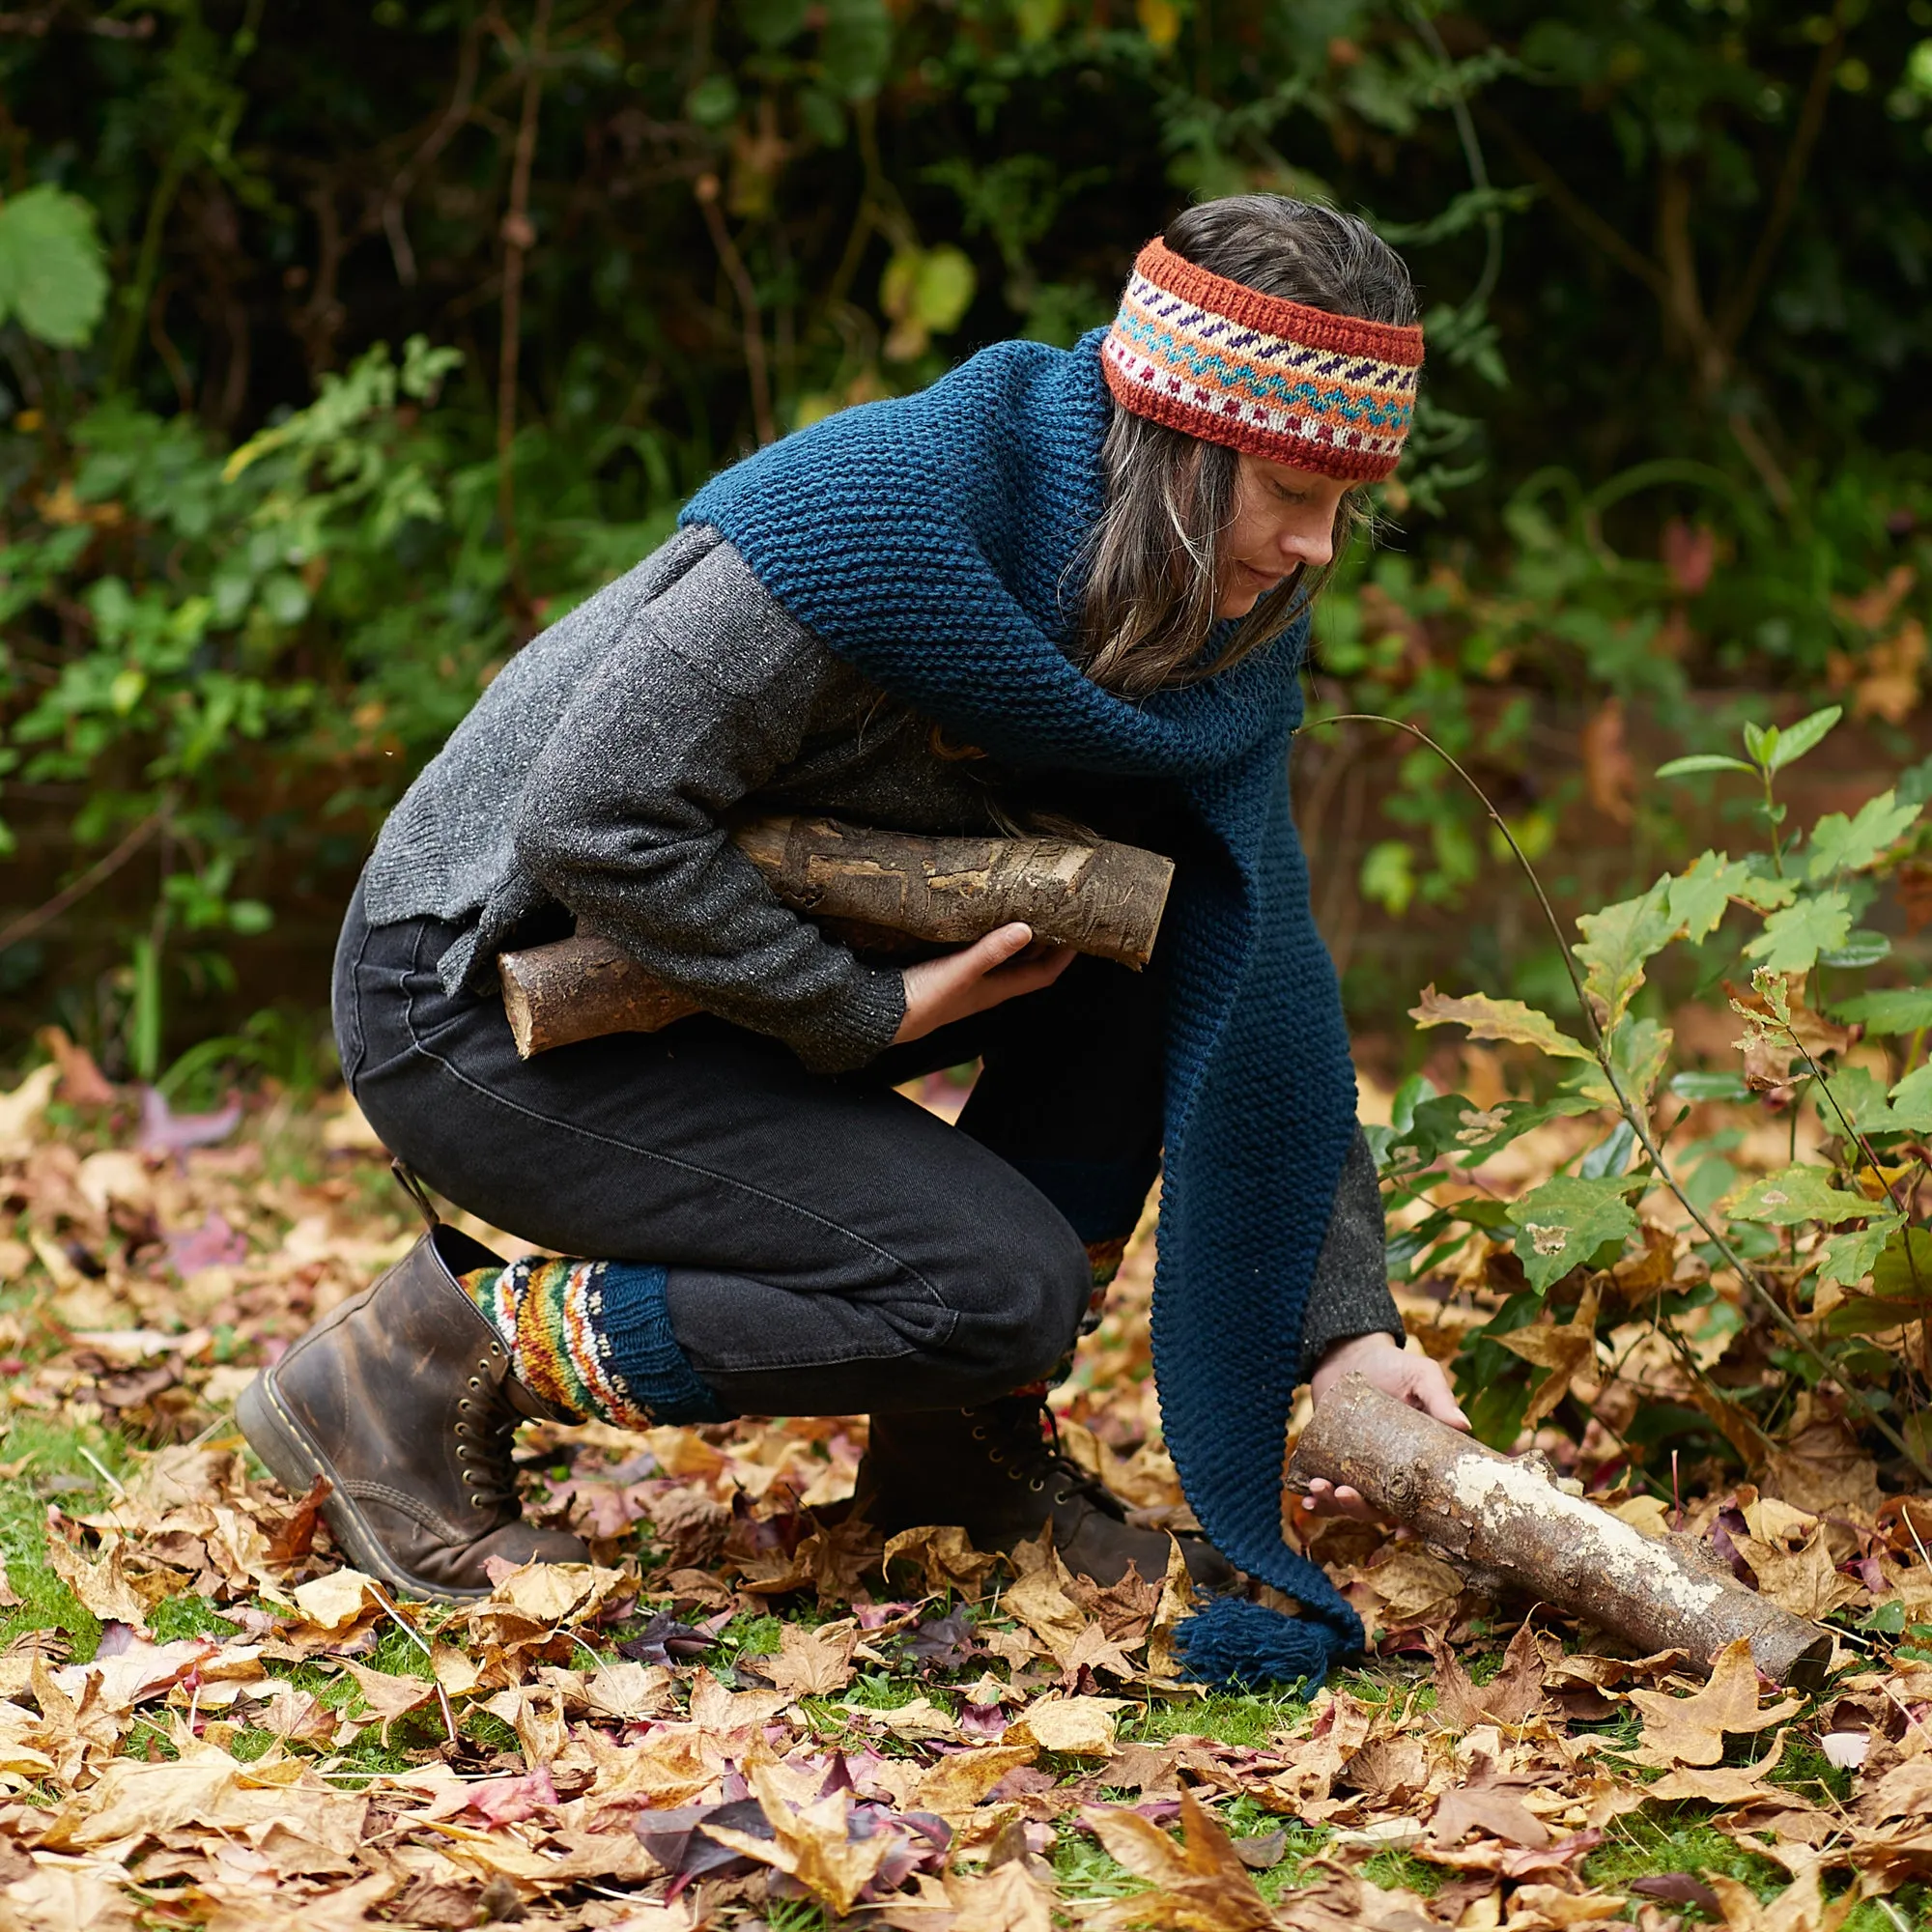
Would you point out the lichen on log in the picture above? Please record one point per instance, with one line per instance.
(1501, 1519)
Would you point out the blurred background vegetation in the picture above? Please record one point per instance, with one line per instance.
(342, 347)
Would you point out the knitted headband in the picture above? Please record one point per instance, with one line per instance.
(1277, 379)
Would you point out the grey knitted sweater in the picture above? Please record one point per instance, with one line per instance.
(598, 777)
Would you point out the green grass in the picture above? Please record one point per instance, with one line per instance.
(1677, 1838)
(1232, 1717)
(58, 1471)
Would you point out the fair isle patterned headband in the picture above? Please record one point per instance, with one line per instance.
(1277, 379)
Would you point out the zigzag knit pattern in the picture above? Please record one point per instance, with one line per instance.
(933, 542)
(594, 1339)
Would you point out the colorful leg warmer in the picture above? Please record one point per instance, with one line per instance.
(1103, 1259)
(593, 1338)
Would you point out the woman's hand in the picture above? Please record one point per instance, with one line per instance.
(1415, 1380)
(999, 967)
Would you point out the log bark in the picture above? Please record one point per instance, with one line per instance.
(1505, 1521)
(888, 891)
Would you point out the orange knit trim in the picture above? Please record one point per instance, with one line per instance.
(1274, 315)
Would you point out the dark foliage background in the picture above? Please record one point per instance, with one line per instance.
(1671, 466)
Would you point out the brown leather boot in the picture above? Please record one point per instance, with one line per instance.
(998, 1472)
(404, 1399)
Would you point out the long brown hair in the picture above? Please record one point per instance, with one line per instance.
(1149, 563)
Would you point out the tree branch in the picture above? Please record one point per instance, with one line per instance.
(1743, 301)
(518, 236)
(751, 325)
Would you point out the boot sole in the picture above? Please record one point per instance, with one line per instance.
(294, 1459)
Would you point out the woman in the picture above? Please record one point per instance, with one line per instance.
(1057, 585)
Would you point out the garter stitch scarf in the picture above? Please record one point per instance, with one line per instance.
(928, 541)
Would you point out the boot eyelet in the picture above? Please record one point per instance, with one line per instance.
(477, 1503)
(463, 1406)
(996, 1459)
(475, 1383)
(978, 1435)
(1037, 1483)
(1061, 1497)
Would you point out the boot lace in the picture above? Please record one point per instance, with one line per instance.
(483, 1438)
(1031, 1455)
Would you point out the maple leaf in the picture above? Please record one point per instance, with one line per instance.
(1692, 1730)
(1565, 1351)
(814, 1844)
(1512, 1697)
(1200, 1883)
(812, 1663)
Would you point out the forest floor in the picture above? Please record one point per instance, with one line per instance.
(736, 1718)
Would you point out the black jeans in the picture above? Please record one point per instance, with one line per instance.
(832, 1247)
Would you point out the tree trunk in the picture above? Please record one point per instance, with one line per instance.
(885, 890)
(1505, 1521)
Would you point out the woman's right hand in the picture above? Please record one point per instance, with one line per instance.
(1003, 965)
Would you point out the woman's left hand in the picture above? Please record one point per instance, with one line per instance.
(1415, 1380)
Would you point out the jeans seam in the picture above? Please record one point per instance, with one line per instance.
(727, 1181)
(354, 978)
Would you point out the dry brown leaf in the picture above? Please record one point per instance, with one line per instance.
(812, 1663)
(1417, 1591)
(946, 1554)
(1692, 1730)
(1512, 1696)
(1725, 1785)
(65, 1898)
(1498, 1812)
(1079, 1726)
(1200, 1883)
(813, 1845)
(960, 1780)
(390, 1697)
(102, 1587)
(1564, 1351)
(1800, 1907)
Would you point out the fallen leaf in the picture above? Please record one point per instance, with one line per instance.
(812, 1663)
(1079, 1726)
(1692, 1730)
(1565, 1351)
(1199, 1883)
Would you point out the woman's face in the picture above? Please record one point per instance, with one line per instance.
(1283, 517)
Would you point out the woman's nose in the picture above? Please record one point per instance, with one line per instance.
(1309, 541)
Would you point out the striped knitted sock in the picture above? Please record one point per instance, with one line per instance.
(594, 1339)
(1103, 1259)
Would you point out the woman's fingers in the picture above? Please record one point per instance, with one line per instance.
(1323, 1499)
(1430, 1393)
(999, 967)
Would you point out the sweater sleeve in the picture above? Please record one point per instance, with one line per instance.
(704, 693)
(1349, 1294)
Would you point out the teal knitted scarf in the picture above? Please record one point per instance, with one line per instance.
(932, 542)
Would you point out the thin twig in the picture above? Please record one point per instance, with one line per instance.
(1738, 309)
(746, 290)
(518, 236)
(416, 1637)
(102, 869)
(1472, 155)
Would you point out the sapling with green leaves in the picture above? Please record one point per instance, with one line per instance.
(1825, 1258)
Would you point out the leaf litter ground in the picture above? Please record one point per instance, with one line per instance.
(747, 1713)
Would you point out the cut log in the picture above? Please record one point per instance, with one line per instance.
(883, 890)
(1505, 1521)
